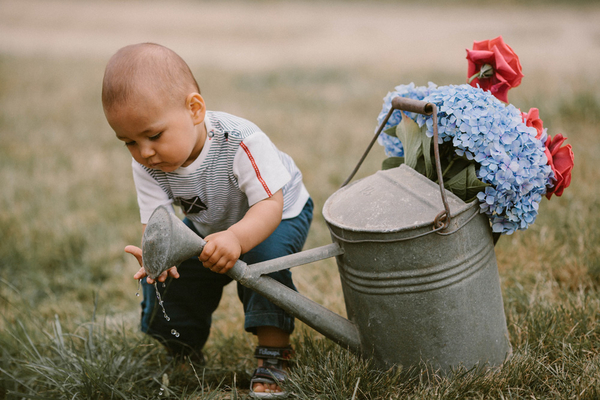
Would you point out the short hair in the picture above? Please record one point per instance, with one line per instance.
(146, 65)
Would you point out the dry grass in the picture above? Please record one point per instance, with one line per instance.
(68, 207)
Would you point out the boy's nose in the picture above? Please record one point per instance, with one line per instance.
(147, 151)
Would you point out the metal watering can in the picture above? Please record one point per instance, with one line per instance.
(420, 286)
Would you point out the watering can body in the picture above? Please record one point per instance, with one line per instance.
(412, 296)
(417, 296)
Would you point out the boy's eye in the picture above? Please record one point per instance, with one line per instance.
(155, 136)
(129, 143)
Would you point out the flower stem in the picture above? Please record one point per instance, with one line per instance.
(448, 168)
(486, 71)
(475, 75)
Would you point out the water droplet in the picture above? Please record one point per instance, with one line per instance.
(137, 293)
(161, 302)
(174, 332)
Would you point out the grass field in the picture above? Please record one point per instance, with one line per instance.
(69, 326)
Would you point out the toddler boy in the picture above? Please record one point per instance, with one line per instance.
(236, 189)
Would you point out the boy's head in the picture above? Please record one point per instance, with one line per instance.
(153, 103)
(146, 69)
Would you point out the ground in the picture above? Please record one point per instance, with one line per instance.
(273, 34)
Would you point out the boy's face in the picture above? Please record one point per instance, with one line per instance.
(160, 135)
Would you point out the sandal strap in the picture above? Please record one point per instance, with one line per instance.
(268, 374)
(278, 353)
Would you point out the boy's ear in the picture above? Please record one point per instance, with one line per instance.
(195, 104)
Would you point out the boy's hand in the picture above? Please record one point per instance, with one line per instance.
(221, 251)
(137, 253)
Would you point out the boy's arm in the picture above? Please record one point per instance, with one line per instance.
(223, 249)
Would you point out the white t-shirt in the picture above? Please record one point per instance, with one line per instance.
(237, 167)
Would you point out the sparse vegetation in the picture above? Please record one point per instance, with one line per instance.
(67, 208)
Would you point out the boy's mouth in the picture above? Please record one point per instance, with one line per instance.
(153, 164)
(163, 166)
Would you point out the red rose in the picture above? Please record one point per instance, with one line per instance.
(532, 118)
(561, 160)
(494, 66)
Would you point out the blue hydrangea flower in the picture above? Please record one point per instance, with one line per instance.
(493, 134)
(392, 145)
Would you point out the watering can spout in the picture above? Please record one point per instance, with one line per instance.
(168, 241)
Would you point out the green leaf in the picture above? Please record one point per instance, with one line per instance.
(465, 184)
(426, 150)
(392, 162)
(391, 131)
(456, 165)
(421, 167)
(410, 134)
(474, 185)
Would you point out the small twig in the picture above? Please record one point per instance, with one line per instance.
(91, 346)
(14, 289)
(195, 374)
(59, 335)
(355, 388)
(235, 396)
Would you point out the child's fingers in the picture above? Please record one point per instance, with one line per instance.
(162, 277)
(136, 252)
(210, 255)
(220, 252)
(221, 266)
(215, 261)
(140, 274)
(173, 272)
(170, 272)
(207, 251)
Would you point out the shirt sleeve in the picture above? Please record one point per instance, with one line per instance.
(149, 193)
(258, 168)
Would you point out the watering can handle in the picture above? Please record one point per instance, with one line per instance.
(242, 273)
(442, 220)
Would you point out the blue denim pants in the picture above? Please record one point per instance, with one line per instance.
(191, 299)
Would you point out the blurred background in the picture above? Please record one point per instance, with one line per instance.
(312, 75)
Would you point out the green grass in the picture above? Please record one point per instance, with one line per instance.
(68, 207)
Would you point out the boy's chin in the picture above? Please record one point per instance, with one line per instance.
(164, 167)
(167, 168)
